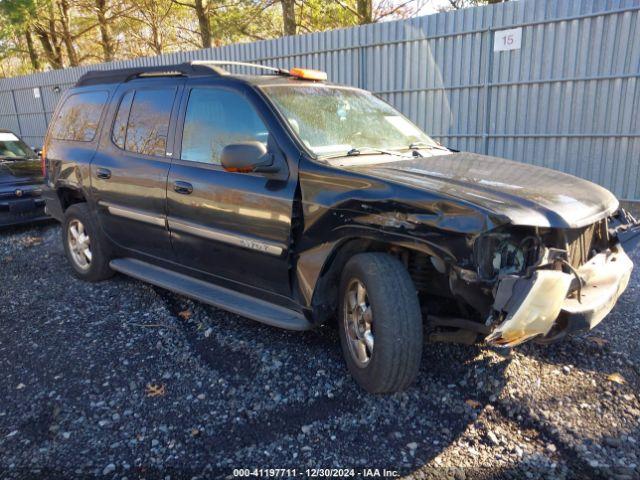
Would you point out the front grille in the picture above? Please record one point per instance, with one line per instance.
(25, 193)
(581, 242)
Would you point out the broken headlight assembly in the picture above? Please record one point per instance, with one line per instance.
(500, 253)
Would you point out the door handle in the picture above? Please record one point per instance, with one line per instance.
(184, 188)
(104, 173)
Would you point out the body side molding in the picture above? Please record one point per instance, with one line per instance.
(133, 214)
(226, 237)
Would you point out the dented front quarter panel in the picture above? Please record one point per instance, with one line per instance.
(439, 206)
(340, 204)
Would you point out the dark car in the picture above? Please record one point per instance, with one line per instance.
(20, 182)
(292, 201)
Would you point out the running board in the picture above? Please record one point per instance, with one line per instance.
(205, 292)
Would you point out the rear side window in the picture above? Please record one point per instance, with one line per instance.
(79, 117)
(142, 122)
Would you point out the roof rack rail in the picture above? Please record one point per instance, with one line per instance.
(189, 69)
(120, 75)
(215, 63)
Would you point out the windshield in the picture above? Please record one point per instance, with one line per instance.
(334, 121)
(11, 147)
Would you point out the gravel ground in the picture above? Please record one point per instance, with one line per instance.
(123, 380)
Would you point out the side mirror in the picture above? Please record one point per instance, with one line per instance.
(247, 157)
(38, 151)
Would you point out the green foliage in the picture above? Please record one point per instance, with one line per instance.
(18, 12)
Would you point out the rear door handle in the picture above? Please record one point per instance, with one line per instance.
(184, 188)
(104, 173)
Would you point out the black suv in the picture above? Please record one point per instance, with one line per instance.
(20, 182)
(292, 201)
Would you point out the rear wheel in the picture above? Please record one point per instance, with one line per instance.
(380, 323)
(84, 245)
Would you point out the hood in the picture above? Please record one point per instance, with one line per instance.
(523, 193)
(20, 172)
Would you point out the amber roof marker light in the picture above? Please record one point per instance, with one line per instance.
(308, 74)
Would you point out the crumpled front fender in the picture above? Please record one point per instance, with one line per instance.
(626, 229)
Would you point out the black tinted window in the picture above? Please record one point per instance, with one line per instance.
(214, 119)
(79, 117)
(119, 134)
(148, 124)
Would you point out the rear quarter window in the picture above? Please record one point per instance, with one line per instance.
(79, 117)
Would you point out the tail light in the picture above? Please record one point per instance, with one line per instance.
(43, 160)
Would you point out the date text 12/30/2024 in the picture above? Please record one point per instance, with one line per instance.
(315, 473)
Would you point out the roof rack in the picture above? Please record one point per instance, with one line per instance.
(189, 69)
(215, 63)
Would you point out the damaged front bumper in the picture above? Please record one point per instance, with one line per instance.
(551, 303)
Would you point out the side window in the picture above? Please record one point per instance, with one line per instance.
(79, 117)
(119, 133)
(216, 118)
(148, 124)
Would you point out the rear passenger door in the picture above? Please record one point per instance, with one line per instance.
(231, 226)
(129, 173)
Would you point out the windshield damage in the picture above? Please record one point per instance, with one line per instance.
(335, 122)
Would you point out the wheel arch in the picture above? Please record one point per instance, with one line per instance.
(319, 268)
(68, 195)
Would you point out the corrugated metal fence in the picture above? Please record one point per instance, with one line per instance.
(568, 98)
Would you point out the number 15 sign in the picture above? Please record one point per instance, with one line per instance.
(507, 40)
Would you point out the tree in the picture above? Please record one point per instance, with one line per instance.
(289, 16)
(67, 37)
(16, 17)
(31, 49)
(365, 11)
(200, 8)
(150, 26)
(53, 34)
(106, 39)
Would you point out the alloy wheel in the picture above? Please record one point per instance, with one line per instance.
(79, 244)
(358, 323)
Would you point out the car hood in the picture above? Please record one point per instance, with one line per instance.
(524, 194)
(20, 172)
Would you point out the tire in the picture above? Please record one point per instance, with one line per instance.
(92, 266)
(395, 323)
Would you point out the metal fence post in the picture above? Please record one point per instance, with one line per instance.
(362, 80)
(487, 93)
(15, 108)
(44, 109)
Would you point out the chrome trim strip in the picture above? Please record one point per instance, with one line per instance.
(225, 237)
(133, 214)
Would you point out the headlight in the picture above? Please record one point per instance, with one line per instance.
(497, 254)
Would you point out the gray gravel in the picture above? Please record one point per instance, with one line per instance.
(120, 379)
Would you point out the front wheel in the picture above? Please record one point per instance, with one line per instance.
(380, 323)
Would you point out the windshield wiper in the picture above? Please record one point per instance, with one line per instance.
(6, 158)
(364, 151)
(429, 146)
